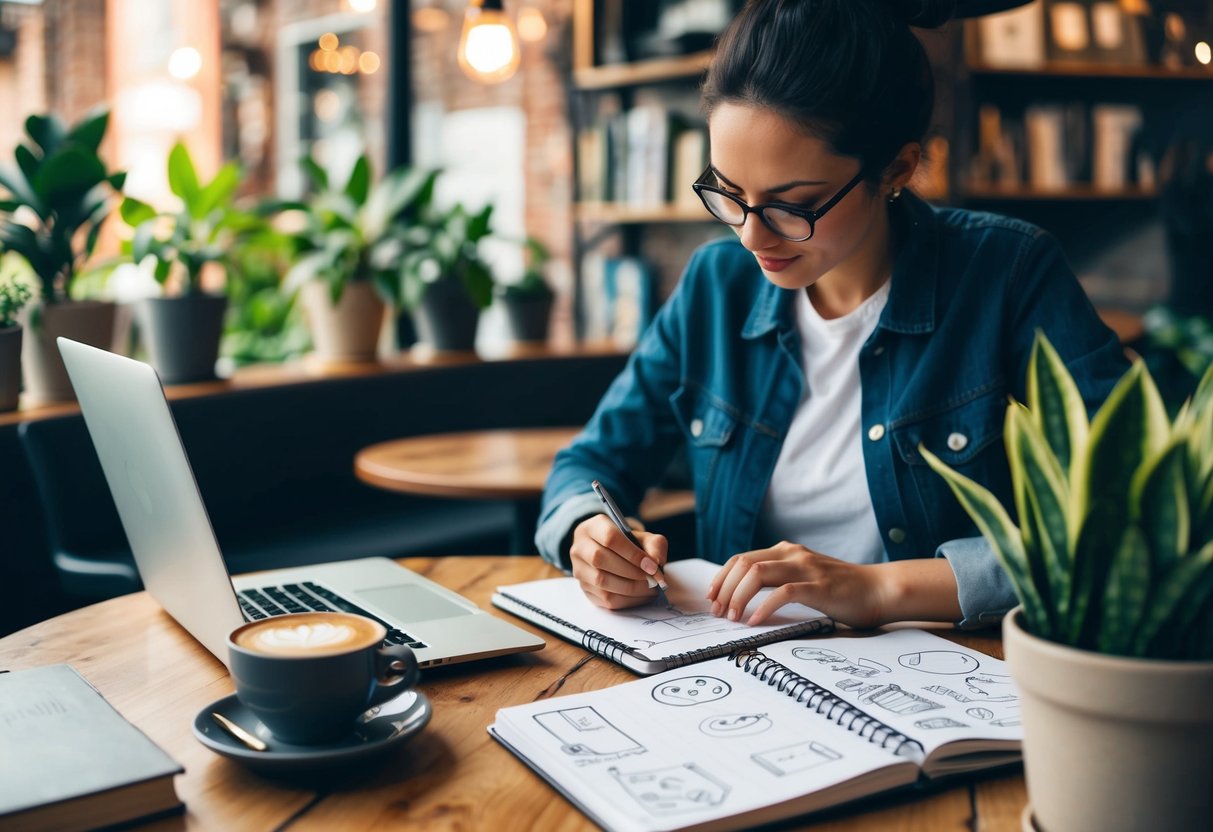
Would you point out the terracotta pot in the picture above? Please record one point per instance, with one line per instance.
(87, 321)
(348, 331)
(1112, 743)
(10, 368)
(447, 318)
(182, 335)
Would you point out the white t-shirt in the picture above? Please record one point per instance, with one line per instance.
(818, 496)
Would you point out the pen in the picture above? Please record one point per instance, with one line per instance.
(658, 581)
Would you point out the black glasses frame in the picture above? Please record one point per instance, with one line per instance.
(809, 214)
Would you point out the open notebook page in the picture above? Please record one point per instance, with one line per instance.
(927, 687)
(654, 631)
(695, 745)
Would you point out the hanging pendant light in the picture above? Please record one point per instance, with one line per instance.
(431, 17)
(488, 47)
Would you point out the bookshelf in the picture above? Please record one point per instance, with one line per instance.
(639, 142)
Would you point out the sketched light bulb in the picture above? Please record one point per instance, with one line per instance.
(488, 47)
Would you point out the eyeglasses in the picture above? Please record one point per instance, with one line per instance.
(791, 222)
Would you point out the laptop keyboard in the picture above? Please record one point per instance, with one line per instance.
(308, 597)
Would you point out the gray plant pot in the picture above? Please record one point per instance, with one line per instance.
(529, 316)
(1112, 744)
(447, 317)
(182, 335)
(10, 368)
(87, 321)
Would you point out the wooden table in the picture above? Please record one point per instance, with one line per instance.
(509, 464)
(450, 777)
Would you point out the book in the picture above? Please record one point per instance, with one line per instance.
(1013, 39)
(652, 638)
(72, 762)
(771, 733)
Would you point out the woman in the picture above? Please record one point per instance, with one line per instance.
(802, 362)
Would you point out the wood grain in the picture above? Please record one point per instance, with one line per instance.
(452, 776)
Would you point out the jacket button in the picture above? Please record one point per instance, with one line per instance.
(876, 433)
(696, 427)
(957, 441)
(897, 535)
(878, 351)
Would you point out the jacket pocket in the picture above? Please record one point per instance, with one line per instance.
(708, 425)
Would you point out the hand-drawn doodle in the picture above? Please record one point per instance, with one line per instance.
(735, 725)
(982, 683)
(960, 697)
(691, 690)
(587, 735)
(980, 713)
(855, 686)
(1007, 722)
(940, 662)
(940, 722)
(893, 698)
(790, 759)
(673, 790)
(673, 625)
(821, 655)
(864, 668)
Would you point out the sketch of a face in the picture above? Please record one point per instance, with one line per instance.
(691, 690)
(735, 725)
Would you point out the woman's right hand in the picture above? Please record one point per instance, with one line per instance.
(612, 572)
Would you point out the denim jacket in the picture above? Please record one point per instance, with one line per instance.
(719, 373)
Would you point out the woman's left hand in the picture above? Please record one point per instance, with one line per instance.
(851, 594)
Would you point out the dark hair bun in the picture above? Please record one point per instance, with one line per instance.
(925, 14)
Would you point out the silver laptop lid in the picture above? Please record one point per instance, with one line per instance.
(154, 489)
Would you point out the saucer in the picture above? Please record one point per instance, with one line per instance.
(380, 729)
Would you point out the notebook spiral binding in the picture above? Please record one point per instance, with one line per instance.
(845, 715)
(612, 649)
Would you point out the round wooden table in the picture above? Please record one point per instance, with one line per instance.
(506, 464)
(452, 776)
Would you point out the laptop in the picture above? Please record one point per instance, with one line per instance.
(178, 557)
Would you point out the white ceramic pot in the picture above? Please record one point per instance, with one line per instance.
(349, 330)
(87, 321)
(1112, 743)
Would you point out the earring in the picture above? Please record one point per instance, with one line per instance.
(894, 195)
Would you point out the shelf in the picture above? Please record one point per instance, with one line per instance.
(1073, 193)
(1104, 71)
(622, 214)
(641, 72)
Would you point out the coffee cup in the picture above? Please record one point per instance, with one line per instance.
(308, 676)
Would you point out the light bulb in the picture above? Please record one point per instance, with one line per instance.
(532, 28)
(488, 47)
(184, 63)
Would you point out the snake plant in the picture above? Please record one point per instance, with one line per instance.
(1113, 548)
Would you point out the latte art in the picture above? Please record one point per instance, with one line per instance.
(305, 634)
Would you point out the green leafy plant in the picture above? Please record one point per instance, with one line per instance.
(1113, 550)
(13, 297)
(201, 232)
(357, 230)
(263, 323)
(533, 284)
(59, 195)
(446, 246)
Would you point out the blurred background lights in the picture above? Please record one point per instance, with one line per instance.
(328, 42)
(368, 63)
(488, 45)
(362, 6)
(1203, 53)
(531, 25)
(184, 63)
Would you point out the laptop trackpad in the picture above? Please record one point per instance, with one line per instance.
(408, 602)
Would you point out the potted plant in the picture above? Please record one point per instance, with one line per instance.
(444, 279)
(528, 303)
(13, 297)
(352, 238)
(59, 194)
(1112, 561)
(182, 331)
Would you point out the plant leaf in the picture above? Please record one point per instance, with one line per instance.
(183, 178)
(66, 175)
(1158, 502)
(47, 131)
(1056, 404)
(1190, 571)
(315, 173)
(134, 212)
(996, 525)
(216, 193)
(16, 184)
(91, 130)
(359, 183)
(1126, 594)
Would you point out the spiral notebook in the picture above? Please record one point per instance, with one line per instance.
(769, 734)
(653, 638)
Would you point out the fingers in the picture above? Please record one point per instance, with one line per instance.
(744, 576)
(612, 571)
